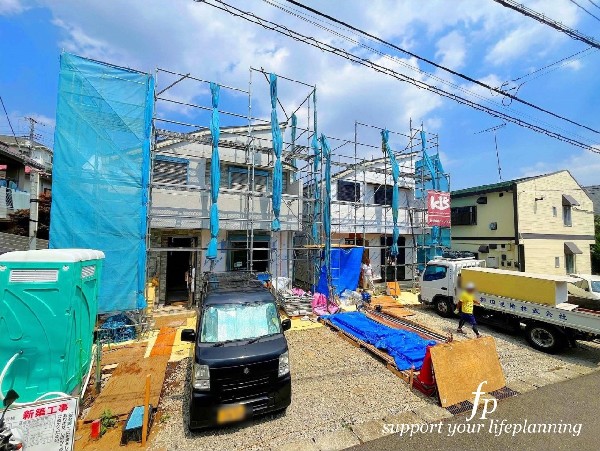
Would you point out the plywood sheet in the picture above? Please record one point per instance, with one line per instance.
(125, 388)
(542, 289)
(460, 366)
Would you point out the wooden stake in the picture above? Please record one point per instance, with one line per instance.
(146, 413)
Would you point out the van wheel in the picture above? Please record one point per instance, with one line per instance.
(544, 337)
(444, 307)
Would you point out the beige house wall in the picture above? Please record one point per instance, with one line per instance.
(541, 255)
(536, 216)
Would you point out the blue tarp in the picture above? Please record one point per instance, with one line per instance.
(100, 178)
(215, 172)
(407, 348)
(345, 270)
(277, 145)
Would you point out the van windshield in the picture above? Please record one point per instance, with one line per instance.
(240, 321)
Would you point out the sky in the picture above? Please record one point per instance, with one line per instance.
(476, 37)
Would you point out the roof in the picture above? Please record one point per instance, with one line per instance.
(52, 255)
(24, 142)
(496, 187)
(594, 193)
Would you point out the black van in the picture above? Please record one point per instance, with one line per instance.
(241, 363)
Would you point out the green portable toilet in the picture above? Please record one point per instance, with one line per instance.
(48, 309)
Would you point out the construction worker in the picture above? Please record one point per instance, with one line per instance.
(465, 307)
(367, 272)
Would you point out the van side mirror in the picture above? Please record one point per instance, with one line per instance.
(188, 335)
(286, 324)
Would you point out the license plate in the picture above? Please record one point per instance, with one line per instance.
(231, 413)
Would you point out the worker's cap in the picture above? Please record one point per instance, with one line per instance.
(470, 286)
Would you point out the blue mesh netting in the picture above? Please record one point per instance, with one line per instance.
(277, 146)
(429, 175)
(101, 172)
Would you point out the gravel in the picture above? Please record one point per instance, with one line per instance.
(517, 358)
(336, 385)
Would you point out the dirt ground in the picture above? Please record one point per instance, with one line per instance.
(336, 385)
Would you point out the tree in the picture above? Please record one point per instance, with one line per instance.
(596, 247)
(19, 220)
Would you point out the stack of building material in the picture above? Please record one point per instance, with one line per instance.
(524, 286)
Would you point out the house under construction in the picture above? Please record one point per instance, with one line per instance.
(328, 198)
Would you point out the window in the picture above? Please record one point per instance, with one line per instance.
(554, 212)
(383, 194)
(570, 263)
(224, 322)
(567, 215)
(238, 179)
(463, 215)
(434, 272)
(348, 191)
(170, 170)
(557, 262)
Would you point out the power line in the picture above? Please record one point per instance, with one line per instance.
(577, 35)
(584, 9)
(323, 46)
(594, 3)
(565, 59)
(305, 17)
(9, 123)
(438, 66)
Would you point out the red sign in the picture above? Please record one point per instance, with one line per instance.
(438, 208)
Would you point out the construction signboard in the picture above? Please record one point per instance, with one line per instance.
(45, 425)
(438, 208)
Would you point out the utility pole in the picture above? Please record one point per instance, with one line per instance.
(34, 190)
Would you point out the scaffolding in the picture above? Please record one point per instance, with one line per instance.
(297, 250)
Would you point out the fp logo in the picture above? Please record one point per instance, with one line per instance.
(486, 401)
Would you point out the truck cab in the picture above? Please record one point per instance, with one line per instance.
(241, 362)
(440, 282)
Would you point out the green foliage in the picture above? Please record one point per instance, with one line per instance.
(107, 421)
(19, 220)
(596, 247)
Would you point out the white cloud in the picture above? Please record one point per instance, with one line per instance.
(584, 166)
(11, 7)
(451, 50)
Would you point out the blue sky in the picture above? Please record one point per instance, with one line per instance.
(476, 37)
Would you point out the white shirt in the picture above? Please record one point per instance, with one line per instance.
(367, 270)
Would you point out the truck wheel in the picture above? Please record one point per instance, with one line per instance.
(444, 307)
(544, 337)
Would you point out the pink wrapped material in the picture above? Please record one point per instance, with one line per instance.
(320, 307)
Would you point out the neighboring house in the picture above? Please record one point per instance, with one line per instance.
(180, 199)
(594, 193)
(361, 214)
(18, 158)
(541, 224)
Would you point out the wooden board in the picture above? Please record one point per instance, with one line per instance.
(125, 388)
(460, 366)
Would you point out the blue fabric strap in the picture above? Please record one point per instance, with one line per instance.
(327, 202)
(277, 145)
(215, 172)
(385, 136)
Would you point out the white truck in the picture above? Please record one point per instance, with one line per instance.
(547, 328)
